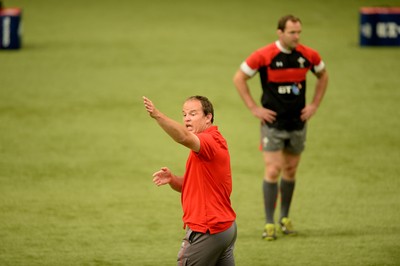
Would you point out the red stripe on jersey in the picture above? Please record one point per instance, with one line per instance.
(287, 75)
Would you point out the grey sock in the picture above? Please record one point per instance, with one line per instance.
(270, 196)
(287, 189)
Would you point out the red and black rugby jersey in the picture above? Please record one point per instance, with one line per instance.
(283, 80)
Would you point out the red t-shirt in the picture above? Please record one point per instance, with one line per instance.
(207, 185)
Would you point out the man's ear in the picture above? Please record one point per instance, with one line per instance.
(209, 117)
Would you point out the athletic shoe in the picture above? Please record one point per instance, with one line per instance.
(287, 227)
(269, 232)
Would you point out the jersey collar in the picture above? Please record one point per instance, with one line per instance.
(283, 49)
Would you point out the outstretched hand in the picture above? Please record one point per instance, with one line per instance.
(162, 177)
(150, 108)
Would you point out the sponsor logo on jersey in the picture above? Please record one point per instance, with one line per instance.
(288, 89)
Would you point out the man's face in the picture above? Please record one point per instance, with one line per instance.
(290, 37)
(194, 118)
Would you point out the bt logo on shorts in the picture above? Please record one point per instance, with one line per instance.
(288, 89)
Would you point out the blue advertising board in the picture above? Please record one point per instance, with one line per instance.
(10, 28)
(380, 26)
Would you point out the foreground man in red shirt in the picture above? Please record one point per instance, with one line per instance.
(205, 187)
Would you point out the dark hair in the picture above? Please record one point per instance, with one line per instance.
(282, 21)
(206, 104)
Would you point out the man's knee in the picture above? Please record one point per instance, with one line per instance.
(272, 173)
(290, 171)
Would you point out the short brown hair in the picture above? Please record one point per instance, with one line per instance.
(205, 103)
(282, 21)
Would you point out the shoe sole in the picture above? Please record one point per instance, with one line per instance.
(269, 238)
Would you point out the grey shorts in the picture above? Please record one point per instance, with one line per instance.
(273, 139)
(205, 249)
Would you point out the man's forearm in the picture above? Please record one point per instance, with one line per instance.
(240, 81)
(174, 129)
(176, 183)
(320, 89)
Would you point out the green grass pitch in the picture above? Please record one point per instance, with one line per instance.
(77, 149)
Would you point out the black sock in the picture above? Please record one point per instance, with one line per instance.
(270, 196)
(287, 189)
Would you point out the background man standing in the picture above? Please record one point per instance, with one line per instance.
(282, 66)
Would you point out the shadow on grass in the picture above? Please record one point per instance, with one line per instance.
(332, 232)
